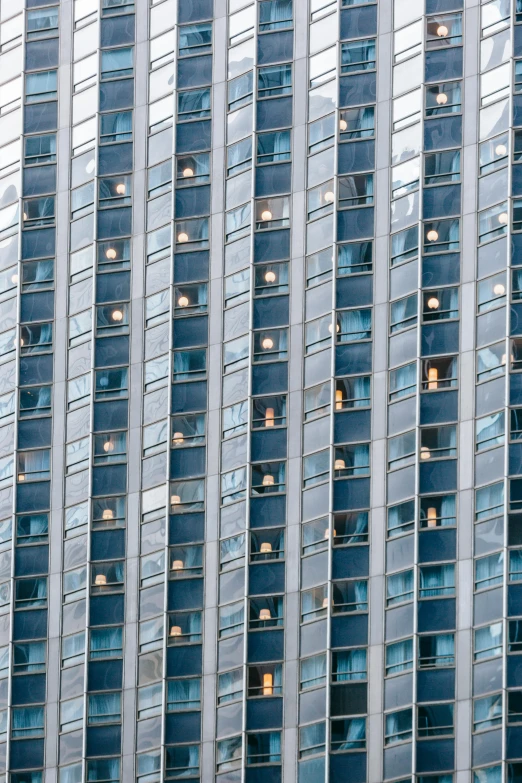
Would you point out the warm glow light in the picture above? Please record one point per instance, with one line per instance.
(328, 196)
(442, 31)
(330, 328)
(183, 237)
(21, 477)
(343, 125)
(269, 417)
(339, 464)
(327, 533)
(183, 301)
(177, 438)
(120, 188)
(267, 343)
(499, 289)
(175, 630)
(174, 500)
(266, 215)
(433, 303)
(268, 480)
(100, 580)
(432, 235)
(110, 253)
(270, 277)
(500, 150)
(266, 547)
(177, 565)
(268, 684)
(432, 517)
(188, 172)
(264, 614)
(108, 446)
(442, 98)
(325, 603)
(108, 513)
(338, 399)
(433, 375)
(425, 452)
(503, 218)
(14, 278)
(117, 315)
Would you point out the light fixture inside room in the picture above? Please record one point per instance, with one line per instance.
(442, 98)
(425, 453)
(266, 215)
(343, 125)
(175, 500)
(110, 253)
(433, 376)
(182, 237)
(325, 603)
(433, 303)
(442, 31)
(499, 289)
(265, 548)
(14, 278)
(108, 445)
(432, 235)
(338, 399)
(177, 438)
(264, 614)
(268, 480)
(117, 315)
(175, 630)
(328, 196)
(183, 301)
(432, 517)
(269, 417)
(188, 172)
(101, 580)
(339, 464)
(503, 218)
(177, 565)
(270, 277)
(267, 343)
(268, 684)
(108, 514)
(120, 188)
(500, 150)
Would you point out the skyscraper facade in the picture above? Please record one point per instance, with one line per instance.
(261, 391)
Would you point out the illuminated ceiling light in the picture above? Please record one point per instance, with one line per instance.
(425, 453)
(442, 31)
(503, 218)
(500, 150)
(266, 215)
(266, 547)
(432, 235)
(100, 580)
(328, 196)
(117, 315)
(188, 172)
(177, 438)
(270, 277)
(268, 480)
(183, 301)
(267, 343)
(182, 237)
(339, 464)
(433, 303)
(442, 98)
(110, 253)
(120, 188)
(108, 514)
(499, 289)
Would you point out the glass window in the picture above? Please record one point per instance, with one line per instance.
(230, 686)
(443, 30)
(116, 63)
(487, 712)
(273, 147)
(349, 665)
(435, 581)
(436, 650)
(353, 460)
(489, 571)
(265, 680)
(357, 123)
(438, 511)
(315, 535)
(435, 720)
(195, 39)
(443, 98)
(358, 55)
(493, 153)
(193, 104)
(349, 596)
(401, 518)
(312, 740)
(313, 671)
(401, 450)
(438, 442)
(493, 221)
(490, 431)
(40, 149)
(274, 80)
(106, 643)
(398, 727)
(488, 641)
(440, 167)
(104, 708)
(27, 722)
(399, 588)
(355, 190)
(41, 86)
(402, 381)
(352, 392)
(184, 694)
(399, 657)
(275, 15)
(403, 313)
